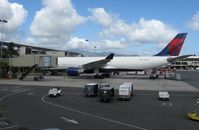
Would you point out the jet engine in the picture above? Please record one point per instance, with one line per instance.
(73, 71)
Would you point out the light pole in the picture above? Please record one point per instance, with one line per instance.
(1, 69)
(2, 21)
(87, 41)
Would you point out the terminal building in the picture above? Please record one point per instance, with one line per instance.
(33, 50)
(191, 62)
(32, 57)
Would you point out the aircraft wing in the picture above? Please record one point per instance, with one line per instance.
(98, 64)
(178, 58)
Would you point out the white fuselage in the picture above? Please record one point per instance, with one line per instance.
(127, 63)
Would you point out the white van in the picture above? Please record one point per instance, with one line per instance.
(124, 92)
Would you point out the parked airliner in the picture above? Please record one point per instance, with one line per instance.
(100, 65)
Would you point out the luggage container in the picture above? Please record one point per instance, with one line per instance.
(91, 89)
(124, 92)
(106, 94)
(131, 86)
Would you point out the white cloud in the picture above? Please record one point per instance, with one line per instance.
(111, 44)
(55, 23)
(101, 16)
(14, 13)
(105, 44)
(194, 22)
(144, 31)
(75, 42)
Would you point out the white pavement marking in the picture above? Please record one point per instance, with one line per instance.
(14, 90)
(91, 115)
(9, 127)
(13, 94)
(3, 123)
(168, 104)
(69, 120)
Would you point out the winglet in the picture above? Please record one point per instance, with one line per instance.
(110, 57)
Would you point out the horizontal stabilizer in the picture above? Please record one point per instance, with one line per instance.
(178, 58)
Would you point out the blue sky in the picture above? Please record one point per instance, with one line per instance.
(122, 26)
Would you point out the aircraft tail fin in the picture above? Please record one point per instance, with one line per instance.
(174, 47)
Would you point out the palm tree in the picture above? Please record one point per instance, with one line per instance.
(10, 51)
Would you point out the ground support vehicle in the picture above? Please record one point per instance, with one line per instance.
(131, 86)
(91, 89)
(106, 94)
(54, 92)
(194, 115)
(124, 92)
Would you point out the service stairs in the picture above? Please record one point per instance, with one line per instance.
(27, 72)
(15, 72)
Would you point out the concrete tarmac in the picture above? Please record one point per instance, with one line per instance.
(141, 83)
(25, 105)
(29, 108)
(190, 77)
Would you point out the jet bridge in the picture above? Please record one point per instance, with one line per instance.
(30, 60)
(31, 65)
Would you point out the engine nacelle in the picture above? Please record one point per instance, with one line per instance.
(73, 71)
